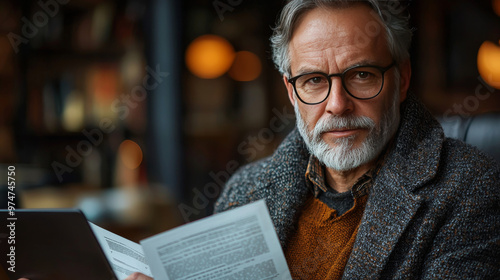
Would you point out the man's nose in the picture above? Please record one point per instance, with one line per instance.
(339, 102)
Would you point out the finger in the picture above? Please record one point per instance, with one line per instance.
(138, 276)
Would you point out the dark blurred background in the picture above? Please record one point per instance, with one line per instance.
(137, 111)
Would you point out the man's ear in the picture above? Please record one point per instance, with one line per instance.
(289, 89)
(405, 77)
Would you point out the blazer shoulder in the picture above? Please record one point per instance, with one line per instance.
(465, 168)
(253, 180)
(246, 180)
(464, 155)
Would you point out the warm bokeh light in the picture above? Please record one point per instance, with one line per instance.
(496, 7)
(130, 154)
(209, 56)
(73, 118)
(488, 59)
(246, 67)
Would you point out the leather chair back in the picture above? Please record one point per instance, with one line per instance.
(482, 131)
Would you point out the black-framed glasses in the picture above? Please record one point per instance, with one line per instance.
(361, 82)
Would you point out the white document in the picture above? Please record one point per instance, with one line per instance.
(237, 244)
(125, 256)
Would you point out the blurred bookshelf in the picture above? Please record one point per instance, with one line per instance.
(75, 61)
(68, 71)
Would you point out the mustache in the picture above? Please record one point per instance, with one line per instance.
(329, 123)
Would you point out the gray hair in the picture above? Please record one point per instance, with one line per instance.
(391, 13)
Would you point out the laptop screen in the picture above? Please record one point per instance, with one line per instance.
(42, 244)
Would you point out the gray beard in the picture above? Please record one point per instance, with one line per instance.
(343, 156)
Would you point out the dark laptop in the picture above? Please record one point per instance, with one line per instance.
(51, 245)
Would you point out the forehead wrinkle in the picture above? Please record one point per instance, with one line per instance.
(317, 54)
(310, 59)
(331, 61)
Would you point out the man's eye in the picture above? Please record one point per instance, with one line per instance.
(363, 75)
(316, 80)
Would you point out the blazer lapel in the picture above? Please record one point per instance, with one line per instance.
(285, 214)
(285, 190)
(388, 211)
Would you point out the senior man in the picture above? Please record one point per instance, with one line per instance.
(367, 186)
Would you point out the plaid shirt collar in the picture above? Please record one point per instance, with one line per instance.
(315, 176)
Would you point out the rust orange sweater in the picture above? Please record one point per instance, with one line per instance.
(323, 242)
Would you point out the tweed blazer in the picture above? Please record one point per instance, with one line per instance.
(432, 213)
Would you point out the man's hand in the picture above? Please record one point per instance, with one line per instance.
(136, 276)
